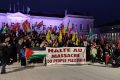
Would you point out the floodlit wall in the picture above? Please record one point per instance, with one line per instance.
(81, 23)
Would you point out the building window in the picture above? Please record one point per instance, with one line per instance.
(88, 27)
(81, 28)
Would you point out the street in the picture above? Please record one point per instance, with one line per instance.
(61, 72)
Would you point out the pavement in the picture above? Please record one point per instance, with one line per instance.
(61, 72)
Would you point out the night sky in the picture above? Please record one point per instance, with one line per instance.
(102, 10)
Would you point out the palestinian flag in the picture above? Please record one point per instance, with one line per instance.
(28, 53)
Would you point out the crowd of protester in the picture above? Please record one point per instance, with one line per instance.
(13, 44)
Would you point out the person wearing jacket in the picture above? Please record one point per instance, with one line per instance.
(5, 58)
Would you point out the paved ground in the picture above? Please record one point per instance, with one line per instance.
(61, 72)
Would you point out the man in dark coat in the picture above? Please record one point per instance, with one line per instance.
(5, 55)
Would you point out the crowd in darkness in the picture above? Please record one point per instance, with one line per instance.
(13, 43)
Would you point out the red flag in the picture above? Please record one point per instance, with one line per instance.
(69, 33)
(62, 28)
(119, 44)
(40, 24)
(26, 26)
(28, 52)
(16, 27)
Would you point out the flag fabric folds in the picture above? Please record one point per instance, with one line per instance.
(69, 33)
(67, 28)
(73, 36)
(63, 29)
(16, 27)
(40, 24)
(77, 39)
(48, 36)
(28, 52)
(60, 36)
(26, 26)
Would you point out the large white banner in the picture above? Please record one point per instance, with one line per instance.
(66, 55)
